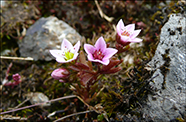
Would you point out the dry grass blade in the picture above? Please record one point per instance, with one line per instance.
(109, 19)
(12, 118)
(57, 99)
(17, 58)
(84, 112)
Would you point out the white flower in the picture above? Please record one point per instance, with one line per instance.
(67, 53)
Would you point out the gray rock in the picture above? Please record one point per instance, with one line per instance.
(38, 97)
(169, 62)
(45, 34)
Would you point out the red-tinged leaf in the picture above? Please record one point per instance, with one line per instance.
(94, 95)
(75, 68)
(85, 78)
(82, 66)
(113, 62)
(78, 89)
(122, 48)
(82, 58)
(90, 65)
(112, 71)
(93, 88)
(87, 100)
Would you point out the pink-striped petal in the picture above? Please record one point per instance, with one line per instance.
(136, 40)
(109, 52)
(89, 49)
(90, 57)
(124, 38)
(130, 27)
(135, 33)
(77, 46)
(120, 27)
(100, 44)
(105, 61)
(66, 44)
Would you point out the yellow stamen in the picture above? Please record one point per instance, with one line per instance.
(69, 55)
(125, 33)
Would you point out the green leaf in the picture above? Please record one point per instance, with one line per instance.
(8, 37)
(100, 117)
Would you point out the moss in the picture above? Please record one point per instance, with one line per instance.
(164, 68)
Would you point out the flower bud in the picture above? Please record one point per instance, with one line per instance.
(16, 77)
(60, 74)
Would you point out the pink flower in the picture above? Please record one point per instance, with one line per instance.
(16, 77)
(59, 74)
(126, 34)
(67, 53)
(99, 52)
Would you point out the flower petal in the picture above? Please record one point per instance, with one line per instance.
(109, 52)
(66, 44)
(136, 40)
(100, 44)
(57, 73)
(135, 33)
(120, 26)
(90, 57)
(62, 81)
(75, 56)
(105, 62)
(130, 27)
(124, 38)
(77, 46)
(56, 53)
(89, 49)
(61, 60)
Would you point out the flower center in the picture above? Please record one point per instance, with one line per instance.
(69, 55)
(125, 33)
(98, 55)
